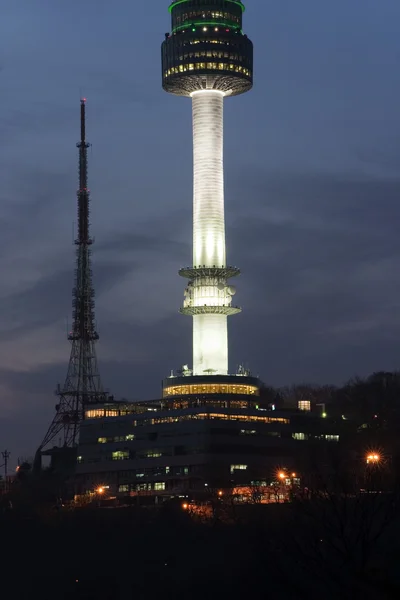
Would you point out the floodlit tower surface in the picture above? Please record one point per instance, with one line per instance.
(82, 385)
(207, 58)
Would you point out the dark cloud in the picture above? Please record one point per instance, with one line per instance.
(319, 281)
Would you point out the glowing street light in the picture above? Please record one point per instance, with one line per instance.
(184, 505)
(100, 490)
(282, 475)
(373, 458)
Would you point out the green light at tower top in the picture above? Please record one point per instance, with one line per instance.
(207, 48)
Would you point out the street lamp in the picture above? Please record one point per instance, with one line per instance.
(373, 458)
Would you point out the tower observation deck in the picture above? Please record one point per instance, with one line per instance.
(207, 58)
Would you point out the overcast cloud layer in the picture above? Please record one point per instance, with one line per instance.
(312, 197)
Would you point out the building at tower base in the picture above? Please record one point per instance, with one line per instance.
(188, 445)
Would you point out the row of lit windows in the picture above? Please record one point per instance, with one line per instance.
(154, 453)
(97, 413)
(191, 16)
(141, 487)
(192, 42)
(309, 436)
(123, 409)
(118, 438)
(211, 388)
(210, 66)
(180, 418)
(217, 416)
(237, 468)
(182, 404)
(155, 471)
(120, 455)
(213, 54)
(264, 433)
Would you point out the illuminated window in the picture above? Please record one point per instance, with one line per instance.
(123, 487)
(153, 454)
(102, 440)
(120, 455)
(211, 388)
(238, 468)
(94, 414)
(112, 412)
(130, 437)
(299, 436)
(332, 438)
(304, 405)
(159, 485)
(248, 432)
(143, 487)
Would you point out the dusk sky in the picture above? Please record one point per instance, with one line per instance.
(312, 197)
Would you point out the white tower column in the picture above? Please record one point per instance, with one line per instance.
(208, 297)
(208, 179)
(210, 332)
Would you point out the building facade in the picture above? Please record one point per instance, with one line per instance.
(188, 443)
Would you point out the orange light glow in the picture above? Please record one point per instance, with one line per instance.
(100, 490)
(184, 506)
(293, 474)
(282, 475)
(219, 493)
(373, 457)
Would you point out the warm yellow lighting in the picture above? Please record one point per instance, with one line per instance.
(211, 388)
(293, 474)
(184, 505)
(282, 475)
(373, 458)
(324, 415)
(219, 493)
(100, 490)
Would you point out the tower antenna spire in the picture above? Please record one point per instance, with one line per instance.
(82, 385)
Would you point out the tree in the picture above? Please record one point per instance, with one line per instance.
(344, 530)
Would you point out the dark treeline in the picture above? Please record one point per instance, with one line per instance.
(327, 547)
(372, 404)
(373, 400)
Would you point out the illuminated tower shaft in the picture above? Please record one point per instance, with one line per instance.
(208, 180)
(207, 57)
(210, 331)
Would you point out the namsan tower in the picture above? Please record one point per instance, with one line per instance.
(207, 57)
